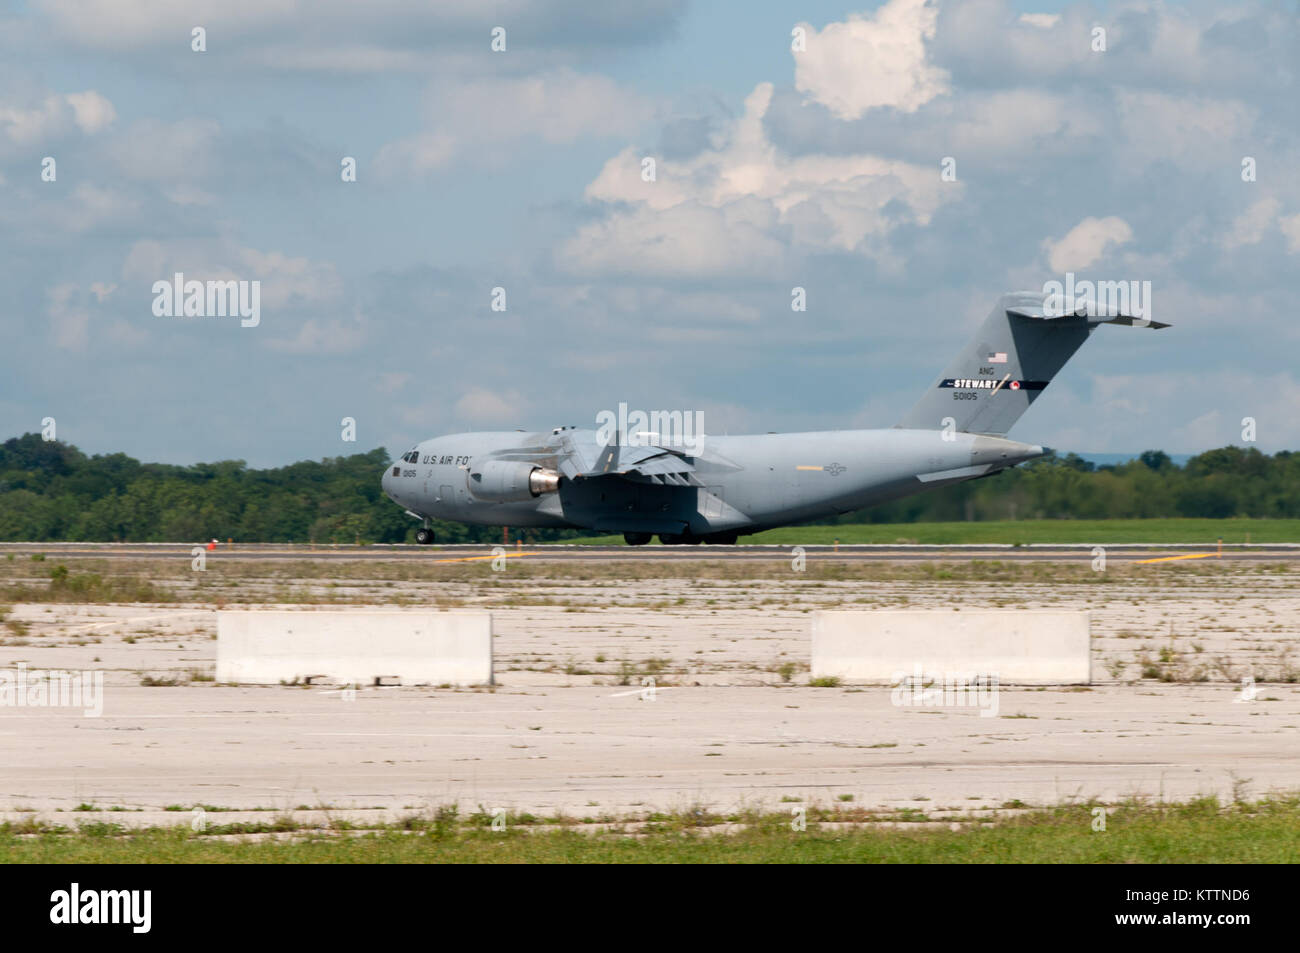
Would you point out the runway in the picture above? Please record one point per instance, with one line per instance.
(562, 552)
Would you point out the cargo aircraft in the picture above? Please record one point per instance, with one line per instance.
(716, 489)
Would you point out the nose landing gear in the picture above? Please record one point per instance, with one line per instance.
(424, 536)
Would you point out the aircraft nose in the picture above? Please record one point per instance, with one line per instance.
(386, 481)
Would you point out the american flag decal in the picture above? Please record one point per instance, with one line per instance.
(1000, 357)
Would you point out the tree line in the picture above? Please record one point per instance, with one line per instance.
(1217, 484)
(51, 491)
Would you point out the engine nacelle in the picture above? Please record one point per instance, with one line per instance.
(509, 481)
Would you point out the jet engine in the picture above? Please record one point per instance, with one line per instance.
(510, 481)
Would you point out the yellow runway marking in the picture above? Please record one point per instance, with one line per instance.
(1165, 559)
(470, 559)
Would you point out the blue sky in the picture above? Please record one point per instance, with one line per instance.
(520, 169)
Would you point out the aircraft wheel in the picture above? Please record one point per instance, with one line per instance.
(424, 536)
(723, 539)
(636, 539)
(683, 539)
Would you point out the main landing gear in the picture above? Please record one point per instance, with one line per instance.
(636, 539)
(689, 539)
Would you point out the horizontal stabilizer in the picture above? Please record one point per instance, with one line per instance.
(1112, 303)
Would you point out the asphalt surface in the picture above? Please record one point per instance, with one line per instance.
(558, 552)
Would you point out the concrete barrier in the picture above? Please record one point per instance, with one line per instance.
(414, 648)
(1019, 647)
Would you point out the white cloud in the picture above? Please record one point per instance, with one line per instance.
(609, 307)
(1195, 46)
(183, 195)
(390, 382)
(416, 155)
(322, 336)
(734, 208)
(151, 150)
(869, 62)
(1085, 244)
(1290, 226)
(55, 116)
(129, 24)
(1044, 21)
(286, 281)
(24, 126)
(89, 206)
(289, 281)
(69, 317)
(342, 58)
(1186, 130)
(1012, 123)
(1249, 227)
(688, 240)
(344, 36)
(91, 111)
(557, 106)
(482, 406)
(1185, 410)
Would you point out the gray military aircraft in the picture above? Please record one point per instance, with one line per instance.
(715, 489)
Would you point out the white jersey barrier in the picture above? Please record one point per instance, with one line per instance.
(358, 648)
(1017, 647)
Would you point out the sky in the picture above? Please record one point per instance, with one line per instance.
(795, 145)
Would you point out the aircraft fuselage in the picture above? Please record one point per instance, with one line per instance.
(737, 484)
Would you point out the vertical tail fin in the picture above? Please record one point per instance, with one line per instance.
(1015, 354)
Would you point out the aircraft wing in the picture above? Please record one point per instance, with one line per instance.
(660, 464)
(652, 464)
